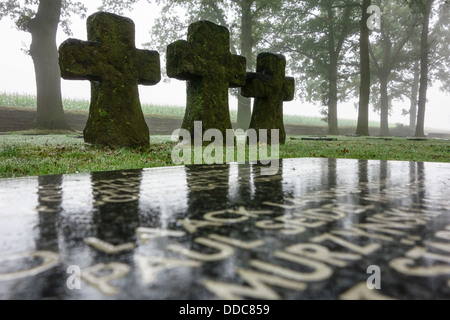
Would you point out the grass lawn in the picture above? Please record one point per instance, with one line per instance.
(32, 155)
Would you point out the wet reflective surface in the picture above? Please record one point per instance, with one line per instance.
(319, 229)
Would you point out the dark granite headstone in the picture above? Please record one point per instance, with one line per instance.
(110, 60)
(319, 229)
(205, 62)
(270, 86)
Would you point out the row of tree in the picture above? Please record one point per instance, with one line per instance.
(331, 50)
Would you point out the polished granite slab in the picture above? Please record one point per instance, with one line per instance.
(318, 229)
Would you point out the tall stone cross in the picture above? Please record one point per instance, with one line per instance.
(270, 87)
(205, 62)
(110, 60)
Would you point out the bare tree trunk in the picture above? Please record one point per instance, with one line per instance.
(333, 127)
(43, 28)
(424, 53)
(384, 105)
(364, 94)
(247, 42)
(414, 97)
(244, 112)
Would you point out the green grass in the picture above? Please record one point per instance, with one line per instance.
(24, 155)
(399, 149)
(29, 101)
(32, 155)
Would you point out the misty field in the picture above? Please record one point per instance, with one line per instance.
(29, 101)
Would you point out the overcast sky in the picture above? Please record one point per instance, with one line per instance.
(17, 74)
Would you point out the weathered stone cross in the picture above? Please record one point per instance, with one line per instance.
(205, 62)
(270, 86)
(110, 60)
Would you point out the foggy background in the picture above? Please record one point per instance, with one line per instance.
(17, 74)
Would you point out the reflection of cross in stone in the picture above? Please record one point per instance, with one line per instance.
(270, 86)
(110, 60)
(205, 62)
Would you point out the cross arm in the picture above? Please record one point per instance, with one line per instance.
(237, 71)
(148, 67)
(184, 61)
(258, 85)
(289, 89)
(78, 60)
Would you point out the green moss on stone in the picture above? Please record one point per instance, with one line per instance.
(270, 87)
(205, 62)
(110, 60)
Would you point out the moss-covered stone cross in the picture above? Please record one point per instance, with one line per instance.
(205, 62)
(110, 60)
(270, 87)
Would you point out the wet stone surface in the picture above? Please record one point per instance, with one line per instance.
(208, 232)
